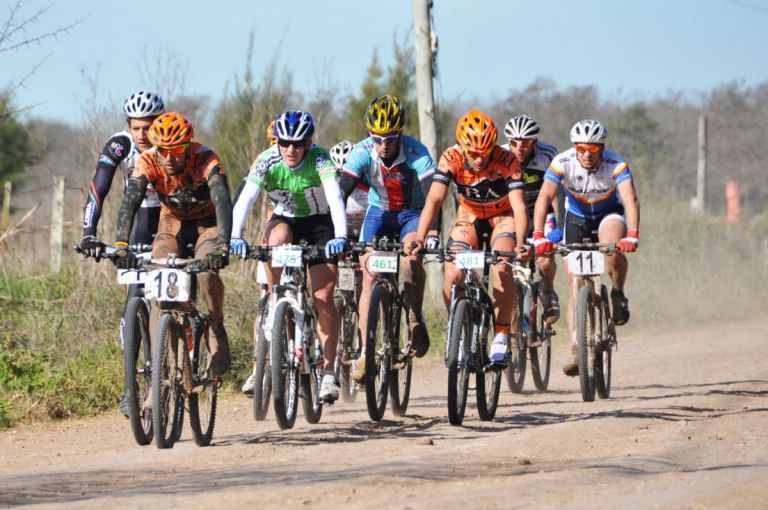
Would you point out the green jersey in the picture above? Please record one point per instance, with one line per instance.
(294, 192)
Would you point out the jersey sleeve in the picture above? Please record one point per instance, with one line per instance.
(324, 164)
(359, 162)
(423, 163)
(450, 161)
(555, 171)
(114, 152)
(259, 170)
(622, 173)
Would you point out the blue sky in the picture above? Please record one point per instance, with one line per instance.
(487, 47)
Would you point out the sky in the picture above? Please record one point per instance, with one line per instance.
(627, 49)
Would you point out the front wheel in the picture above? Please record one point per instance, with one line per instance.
(137, 360)
(604, 351)
(377, 355)
(167, 396)
(202, 400)
(458, 361)
(285, 373)
(309, 390)
(262, 388)
(586, 326)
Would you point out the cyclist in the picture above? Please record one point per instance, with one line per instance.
(600, 205)
(399, 170)
(121, 150)
(522, 134)
(306, 203)
(357, 202)
(195, 209)
(490, 190)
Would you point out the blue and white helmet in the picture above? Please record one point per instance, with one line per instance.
(143, 104)
(588, 131)
(340, 152)
(294, 125)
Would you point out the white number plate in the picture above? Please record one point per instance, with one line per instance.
(586, 262)
(286, 256)
(130, 276)
(167, 285)
(470, 259)
(346, 279)
(382, 262)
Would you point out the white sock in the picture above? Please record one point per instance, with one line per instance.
(501, 338)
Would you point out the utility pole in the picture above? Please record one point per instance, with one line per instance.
(699, 203)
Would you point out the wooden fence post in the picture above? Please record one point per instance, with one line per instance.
(57, 223)
(5, 218)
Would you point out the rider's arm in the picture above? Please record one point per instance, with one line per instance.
(434, 201)
(517, 199)
(242, 209)
(113, 153)
(628, 196)
(347, 183)
(336, 203)
(217, 183)
(134, 194)
(546, 194)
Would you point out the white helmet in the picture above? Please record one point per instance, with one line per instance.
(522, 127)
(588, 131)
(340, 152)
(143, 104)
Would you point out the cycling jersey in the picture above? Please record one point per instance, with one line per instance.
(395, 187)
(540, 157)
(485, 193)
(119, 151)
(589, 194)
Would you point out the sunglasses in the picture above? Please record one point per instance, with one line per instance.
(176, 150)
(521, 143)
(299, 144)
(588, 147)
(384, 139)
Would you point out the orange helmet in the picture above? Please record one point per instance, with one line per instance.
(476, 132)
(271, 133)
(170, 129)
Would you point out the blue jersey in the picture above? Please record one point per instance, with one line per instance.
(589, 194)
(396, 187)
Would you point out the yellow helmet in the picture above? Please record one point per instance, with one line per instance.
(385, 115)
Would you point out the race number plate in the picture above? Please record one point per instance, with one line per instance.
(586, 263)
(286, 256)
(346, 279)
(130, 276)
(382, 262)
(169, 285)
(470, 259)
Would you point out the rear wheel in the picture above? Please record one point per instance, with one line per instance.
(402, 364)
(137, 360)
(488, 379)
(377, 356)
(262, 388)
(347, 350)
(540, 342)
(166, 382)
(515, 371)
(603, 355)
(310, 383)
(285, 373)
(458, 361)
(585, 333)
(202, 400)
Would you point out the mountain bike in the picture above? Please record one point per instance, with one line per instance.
(595, 330)
(388, 360)
(181, 354)
(534, 334)
(469, 335)
(296, 354)
(346, 296)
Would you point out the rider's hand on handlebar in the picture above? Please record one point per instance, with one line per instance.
(414, 248)
(238, 247)
(336, 247)
(629, 243)
(523, 252)
(124, 258)
(218, 258)
(91, 247)
(543, 245)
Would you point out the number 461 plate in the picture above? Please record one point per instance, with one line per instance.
(586, 262)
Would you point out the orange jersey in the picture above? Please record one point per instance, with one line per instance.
(485, 193)
(185, 196)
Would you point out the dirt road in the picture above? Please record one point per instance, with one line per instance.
(686, 427)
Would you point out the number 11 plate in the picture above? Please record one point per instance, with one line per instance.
(586, 262)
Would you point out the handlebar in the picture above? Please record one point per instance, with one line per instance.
(565, 249)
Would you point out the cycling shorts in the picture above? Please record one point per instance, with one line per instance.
(469, 230)
(394, 225)
(578, 229)
(314, 229)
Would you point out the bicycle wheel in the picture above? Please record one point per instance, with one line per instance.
(585, 334)
(166, 390)
(377, 355)
(515, 371)
(137, 360)
(458, 361)
(285, 373)
(401, 367)
(202, 400)
(309, 390)
(262, 388)
(487, 378)
(540, 342)
(347, 349)
(603, 353)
